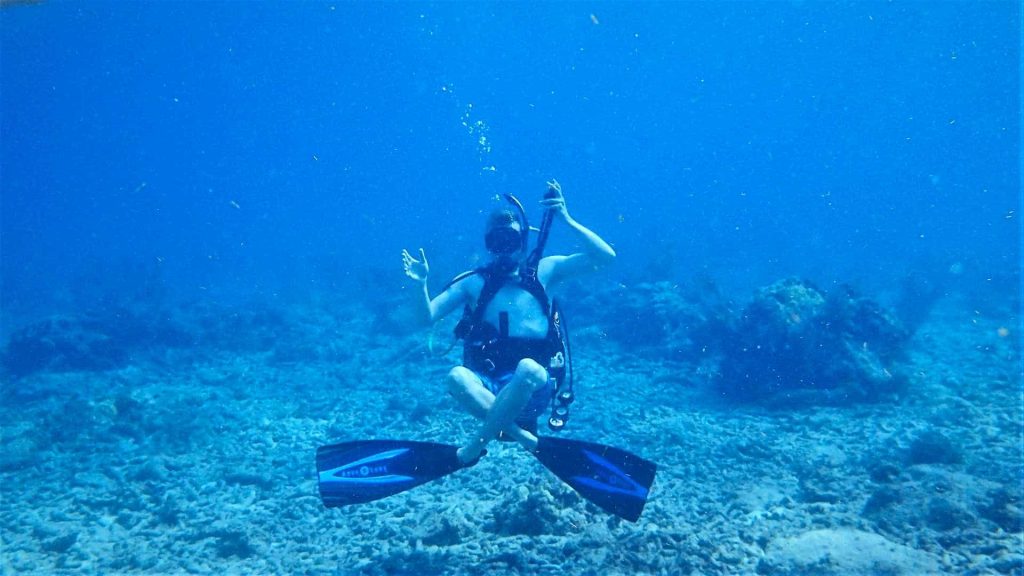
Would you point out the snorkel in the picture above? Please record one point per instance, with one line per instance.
(523, 220)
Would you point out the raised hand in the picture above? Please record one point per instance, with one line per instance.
(418, 270)
(554, 200)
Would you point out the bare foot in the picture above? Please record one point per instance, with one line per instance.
(468, 455)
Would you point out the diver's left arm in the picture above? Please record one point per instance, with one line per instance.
(596, 252)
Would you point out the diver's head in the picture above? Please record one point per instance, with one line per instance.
(505, 239)
(504, 234)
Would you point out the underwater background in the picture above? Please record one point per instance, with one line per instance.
(812, 326)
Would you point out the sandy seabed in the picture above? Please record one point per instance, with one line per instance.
(206, 465)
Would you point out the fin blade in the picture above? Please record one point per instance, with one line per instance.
(368, 470)
(617, 481)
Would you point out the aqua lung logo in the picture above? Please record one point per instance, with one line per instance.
(363, 472)
(370, 470)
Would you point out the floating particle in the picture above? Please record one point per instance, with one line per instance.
(1003, 331)
(593, 18)
(235, 204)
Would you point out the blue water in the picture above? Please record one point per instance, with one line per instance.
(202, 212)
(268, 149)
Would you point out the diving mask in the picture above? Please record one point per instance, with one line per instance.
(503, 240)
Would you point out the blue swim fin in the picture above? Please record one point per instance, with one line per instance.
(615, 480)
(367, 470)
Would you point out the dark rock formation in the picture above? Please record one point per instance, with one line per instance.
(667, 320)
(795, 344)
(109, 339)
(89, 342)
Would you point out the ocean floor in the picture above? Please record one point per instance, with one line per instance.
(187, 463)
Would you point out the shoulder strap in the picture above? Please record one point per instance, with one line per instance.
(491, 286)
(462, 276)
(531, 284)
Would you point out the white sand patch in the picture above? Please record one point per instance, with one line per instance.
(848, 552)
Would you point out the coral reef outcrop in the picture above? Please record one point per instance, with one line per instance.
(796, 344)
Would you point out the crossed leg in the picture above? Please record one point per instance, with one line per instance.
(497, 412)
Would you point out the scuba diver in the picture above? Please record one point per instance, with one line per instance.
(510, 342)
(516, 361)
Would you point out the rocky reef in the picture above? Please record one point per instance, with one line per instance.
(794, 343)
(111, 338)
(666, 320)
(91, 342)
(183, 441)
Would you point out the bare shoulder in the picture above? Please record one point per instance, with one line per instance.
(468, 285)
(551, 269)
(555, 269)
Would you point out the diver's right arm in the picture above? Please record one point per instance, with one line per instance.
(440, 306)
